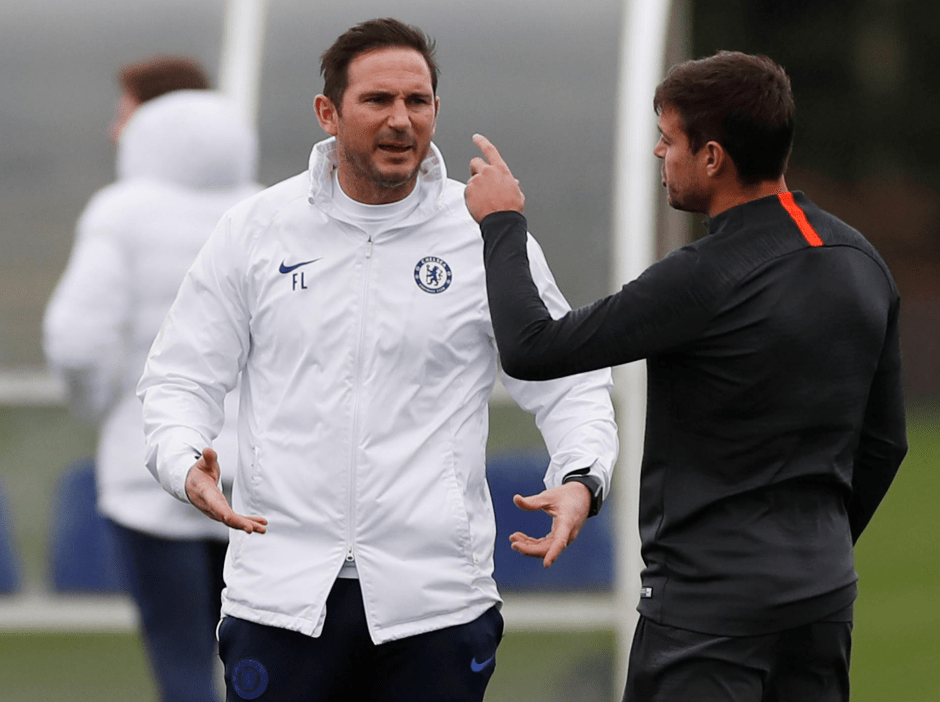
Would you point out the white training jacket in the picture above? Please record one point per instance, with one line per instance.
(367, 364)
(183, 160)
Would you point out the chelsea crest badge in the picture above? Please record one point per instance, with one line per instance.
(433, 275)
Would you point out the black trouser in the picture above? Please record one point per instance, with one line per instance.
(342, 664)
(807, 663)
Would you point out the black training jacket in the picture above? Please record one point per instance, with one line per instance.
(775, 418)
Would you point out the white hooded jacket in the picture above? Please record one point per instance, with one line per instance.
(183, 160)
(367, 364)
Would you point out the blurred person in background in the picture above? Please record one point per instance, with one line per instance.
(351, 300)
(775, 414)
(184, 156)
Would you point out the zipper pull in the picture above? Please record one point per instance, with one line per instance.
(350, 558)
(369, 250)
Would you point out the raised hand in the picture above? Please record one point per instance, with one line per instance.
(492, 186)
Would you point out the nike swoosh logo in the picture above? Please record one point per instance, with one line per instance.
(288, 269)
(477, 667)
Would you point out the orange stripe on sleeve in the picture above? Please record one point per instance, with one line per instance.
(798, 216)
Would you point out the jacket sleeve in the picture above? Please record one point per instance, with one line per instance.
(883, 440)
(86, 317)
(195, 361)
(574, 414)
(667, 306)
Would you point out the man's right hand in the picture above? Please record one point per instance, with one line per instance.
(492, 186)
(202, 489)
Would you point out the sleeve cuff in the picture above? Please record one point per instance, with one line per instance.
(503, 218)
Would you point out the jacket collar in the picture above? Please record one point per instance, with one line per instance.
(323, 161)
(736, 217)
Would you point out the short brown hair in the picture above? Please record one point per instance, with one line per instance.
(742, 101)
(157, 75)
(368, 36)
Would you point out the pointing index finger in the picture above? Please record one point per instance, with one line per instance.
(489, 151)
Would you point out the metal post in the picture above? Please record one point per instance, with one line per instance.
(636, 181)
(242, 46)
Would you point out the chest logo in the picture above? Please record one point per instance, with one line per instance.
(298, 281)
(433, 275)
(287, 269)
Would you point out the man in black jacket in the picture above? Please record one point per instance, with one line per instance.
(775, 418)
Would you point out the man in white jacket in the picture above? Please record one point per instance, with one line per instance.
(184, 157)
(351, 299)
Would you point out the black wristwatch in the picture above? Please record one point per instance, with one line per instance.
(592, 483)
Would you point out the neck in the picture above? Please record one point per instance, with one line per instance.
(739, 194)
(372, 192)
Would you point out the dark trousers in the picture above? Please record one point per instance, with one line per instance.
(343, 665)
(806, 664)
(177, 586)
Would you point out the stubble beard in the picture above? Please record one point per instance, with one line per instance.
(363, 170)
(689, 201)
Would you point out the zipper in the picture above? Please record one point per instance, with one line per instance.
(350, 540)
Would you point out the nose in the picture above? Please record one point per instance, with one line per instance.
(398, 115)
(660, 149)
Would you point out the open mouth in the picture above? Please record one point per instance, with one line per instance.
(396, 148)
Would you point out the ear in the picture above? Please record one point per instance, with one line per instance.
(327, 115)
(716, 159)
(437, 110)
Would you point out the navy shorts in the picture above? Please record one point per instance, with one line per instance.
(809, 662)
(342, 664)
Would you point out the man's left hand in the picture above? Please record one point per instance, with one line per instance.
(568, 505)
(492, 187)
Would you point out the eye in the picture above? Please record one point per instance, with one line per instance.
(376, 99)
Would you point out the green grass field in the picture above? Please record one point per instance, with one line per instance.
(896, 653)
(75, 667)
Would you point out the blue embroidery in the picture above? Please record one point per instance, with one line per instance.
(288, 269)
(477, 667)
(433, 275)
(250, 679)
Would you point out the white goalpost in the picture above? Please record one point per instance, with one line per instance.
(643, 44)
(242, 54)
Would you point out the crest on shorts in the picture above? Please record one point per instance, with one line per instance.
(433, 275)
(250, 679)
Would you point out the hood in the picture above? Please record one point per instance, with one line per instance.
(193, 138)
(323, 161)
